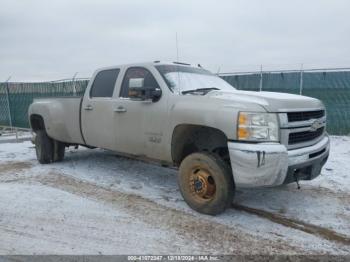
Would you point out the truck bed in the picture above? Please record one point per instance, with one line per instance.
(61, 116)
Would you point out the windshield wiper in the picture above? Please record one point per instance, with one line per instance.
(204, 90)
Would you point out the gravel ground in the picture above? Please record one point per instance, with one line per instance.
(95, 202)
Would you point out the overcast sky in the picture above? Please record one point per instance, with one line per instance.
(41, 40)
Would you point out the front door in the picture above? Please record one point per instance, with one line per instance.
(97, 113)
(135, 115)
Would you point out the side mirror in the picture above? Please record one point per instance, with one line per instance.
(138, 91)
(151, 94)
(156, 94)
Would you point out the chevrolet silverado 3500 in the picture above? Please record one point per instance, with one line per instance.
(220, 138)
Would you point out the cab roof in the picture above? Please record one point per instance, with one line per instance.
(157, 62)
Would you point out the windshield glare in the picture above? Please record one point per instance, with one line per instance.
(181, 78)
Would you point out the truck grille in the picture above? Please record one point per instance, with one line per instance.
(300, 137)
(304, 116)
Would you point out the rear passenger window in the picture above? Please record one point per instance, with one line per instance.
(104, 83)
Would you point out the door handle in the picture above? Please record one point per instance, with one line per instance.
(88, 107)
(120, 109)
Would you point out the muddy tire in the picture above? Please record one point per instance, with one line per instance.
(58, 151)
(43, 147)
(206, 183)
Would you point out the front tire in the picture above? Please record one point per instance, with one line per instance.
(206, 183)
(43, 147)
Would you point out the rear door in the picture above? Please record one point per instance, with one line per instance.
(97, 115)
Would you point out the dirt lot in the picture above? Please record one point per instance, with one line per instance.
(98, 203)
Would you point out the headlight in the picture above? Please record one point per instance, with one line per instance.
(257, 127)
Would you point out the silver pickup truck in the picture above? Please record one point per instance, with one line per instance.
(184, 116)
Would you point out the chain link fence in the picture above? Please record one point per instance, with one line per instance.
(4, 107)
(331, 86)
(15, 98)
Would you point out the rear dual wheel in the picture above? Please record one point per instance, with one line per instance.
(58, 151)
(206, 183)
(48, 150)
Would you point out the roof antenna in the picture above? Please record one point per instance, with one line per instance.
(177, 49)
(177, 66)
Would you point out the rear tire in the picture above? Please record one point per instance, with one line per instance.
(58, 151)
(43, 147)
(206, 183)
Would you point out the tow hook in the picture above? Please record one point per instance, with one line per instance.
(261, 158)
(296, 178)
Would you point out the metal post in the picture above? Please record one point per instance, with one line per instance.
(8, 102)
(74, 88)
(261, 79)
(301, 80)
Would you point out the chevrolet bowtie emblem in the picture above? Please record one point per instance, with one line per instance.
(315, 125)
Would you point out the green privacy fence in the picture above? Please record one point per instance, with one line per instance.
(332, 87)
(15, 98)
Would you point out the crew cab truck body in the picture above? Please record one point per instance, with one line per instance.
(220, 138)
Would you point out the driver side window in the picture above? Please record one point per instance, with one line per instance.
(137, 76)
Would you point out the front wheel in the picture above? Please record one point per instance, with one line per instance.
(206, 183)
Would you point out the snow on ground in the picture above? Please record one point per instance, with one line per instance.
(8, 136)
(96, 202)
(58, 222)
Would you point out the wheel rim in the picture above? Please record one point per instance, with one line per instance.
(202, 184)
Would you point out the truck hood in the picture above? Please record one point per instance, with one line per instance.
(271, 101)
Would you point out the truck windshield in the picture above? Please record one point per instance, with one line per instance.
(184, 79)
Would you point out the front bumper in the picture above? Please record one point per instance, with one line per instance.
(271, 164)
